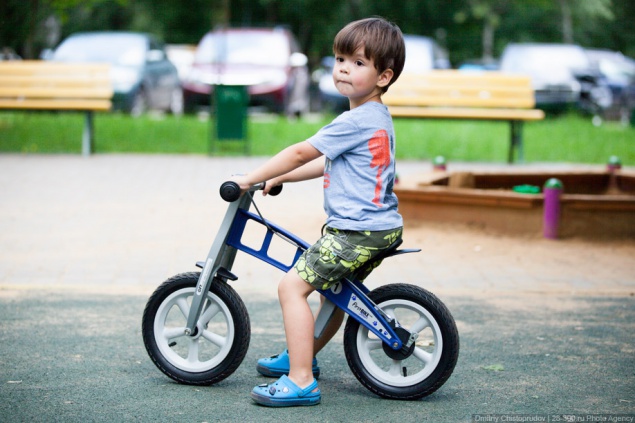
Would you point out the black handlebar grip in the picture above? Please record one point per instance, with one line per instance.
(230, 191)
(275, 190)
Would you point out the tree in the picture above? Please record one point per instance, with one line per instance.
(489, 13)
(23, 24)
(620, 35)
(468, 28)
(587, 12)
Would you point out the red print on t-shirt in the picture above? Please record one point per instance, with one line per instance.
(379, 147)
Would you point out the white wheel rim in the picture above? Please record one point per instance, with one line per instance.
(213, 341)
(425, 358)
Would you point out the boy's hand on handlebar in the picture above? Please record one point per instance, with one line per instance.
(242, 182)
(269, 185)
(234, 188)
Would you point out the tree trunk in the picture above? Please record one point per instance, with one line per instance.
(567, 22)
(29, 43)
(488, 40)
(221, 13)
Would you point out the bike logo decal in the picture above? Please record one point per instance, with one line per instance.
(337, 288)
(204, 277)
(359, 309)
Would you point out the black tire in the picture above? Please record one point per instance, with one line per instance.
(221, 341)
(433, 358)
(139, 103)
(176, 106)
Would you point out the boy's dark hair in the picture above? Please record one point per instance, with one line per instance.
(382, 40)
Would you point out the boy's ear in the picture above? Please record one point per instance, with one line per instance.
(385, 77)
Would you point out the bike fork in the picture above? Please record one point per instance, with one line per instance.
(220, 256)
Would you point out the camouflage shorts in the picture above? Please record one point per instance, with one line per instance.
(338, 254)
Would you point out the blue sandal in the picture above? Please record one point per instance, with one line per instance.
(285, 393)
(278, 365)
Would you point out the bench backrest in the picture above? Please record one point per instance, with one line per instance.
(452, 88)
(35, 84)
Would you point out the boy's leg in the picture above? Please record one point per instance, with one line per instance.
(293, 292)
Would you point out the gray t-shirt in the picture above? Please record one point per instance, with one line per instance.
(359, 174)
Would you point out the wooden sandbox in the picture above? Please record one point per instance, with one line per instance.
(593, 204)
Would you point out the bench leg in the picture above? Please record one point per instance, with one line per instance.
(88, 135)
(516, 141)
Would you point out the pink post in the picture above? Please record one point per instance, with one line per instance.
(551, 206)
(614, 164)
(439, 164)
(613, 168)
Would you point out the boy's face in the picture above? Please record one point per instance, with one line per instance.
(355, 77)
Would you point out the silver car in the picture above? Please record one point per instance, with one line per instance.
(143, 77)
(619, 71)
(562, 75)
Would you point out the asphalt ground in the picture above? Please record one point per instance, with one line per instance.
(547, 328)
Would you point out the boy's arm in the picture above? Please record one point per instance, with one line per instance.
(287, 160)
(313, 169)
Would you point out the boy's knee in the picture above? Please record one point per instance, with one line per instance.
(293, 285)
(281, 289)
(285, 286)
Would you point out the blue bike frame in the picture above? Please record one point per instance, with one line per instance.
(348, 295)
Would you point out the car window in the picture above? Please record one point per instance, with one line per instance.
(244, 48)
(617, 70)
(423, 54)
(419, 56)
(115, 49)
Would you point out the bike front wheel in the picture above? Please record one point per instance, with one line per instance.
(425, 367)
(221, 338)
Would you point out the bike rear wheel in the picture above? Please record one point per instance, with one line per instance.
(221, 338)
(422, 370)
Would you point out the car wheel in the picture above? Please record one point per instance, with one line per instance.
(139, 103)
(298, 100)
(177, 105)
(624, 114)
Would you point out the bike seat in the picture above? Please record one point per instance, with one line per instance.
(392, 250)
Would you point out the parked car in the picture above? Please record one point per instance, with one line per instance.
(422, 54)
(143, 78)
(563, 76)
(181, 56)
(268, 61)
(479, 65)
(619, 71)
(7, 53)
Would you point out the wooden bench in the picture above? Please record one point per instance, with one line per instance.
(42, 85)
(452, 94)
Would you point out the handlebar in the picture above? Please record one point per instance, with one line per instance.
(230, 191)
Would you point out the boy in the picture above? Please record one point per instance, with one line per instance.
(361, 208)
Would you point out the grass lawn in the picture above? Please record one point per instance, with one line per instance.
(568, 138)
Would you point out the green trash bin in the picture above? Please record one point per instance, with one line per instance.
(231, 113)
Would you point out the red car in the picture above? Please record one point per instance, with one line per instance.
(267, 61)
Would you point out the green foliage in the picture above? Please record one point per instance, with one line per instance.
(557, 139)
(458, 24)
